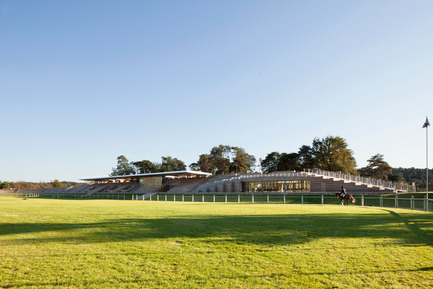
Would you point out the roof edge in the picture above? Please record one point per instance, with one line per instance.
(188, 172)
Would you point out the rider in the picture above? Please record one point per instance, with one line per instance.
(342, 193)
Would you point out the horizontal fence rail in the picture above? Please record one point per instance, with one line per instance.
(395, 201)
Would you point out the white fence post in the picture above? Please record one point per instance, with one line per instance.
(225, 198)
(239, 198)
(323, 200)
(381, 201)
(252, 199)
(362, 200)
(284, 199)
(302, 199)
(267, 199)
(202, 198)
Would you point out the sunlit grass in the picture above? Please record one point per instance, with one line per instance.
(135, 244)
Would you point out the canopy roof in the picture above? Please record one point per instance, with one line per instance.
(186, 173)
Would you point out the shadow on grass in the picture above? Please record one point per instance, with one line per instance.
(258, 229)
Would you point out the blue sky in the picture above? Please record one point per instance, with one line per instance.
(82, 82)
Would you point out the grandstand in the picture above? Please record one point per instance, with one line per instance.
(144, 186)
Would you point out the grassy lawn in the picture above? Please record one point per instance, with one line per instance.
(135, 244)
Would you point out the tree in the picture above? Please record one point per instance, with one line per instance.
(396, 178)
(4, 186)
(377, 168)
(220, 159)
(56, 184)
(123, 167)
(288, 162)
(306, 157)
(242, 162)
(270, 163)
(225, 159)
(332, 154)
(170, 164)
(146, 167)
(194, 167)
(204, 163)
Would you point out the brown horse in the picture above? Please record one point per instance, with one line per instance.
(346, 198)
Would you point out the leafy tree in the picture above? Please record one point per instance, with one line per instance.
(306, 157)
(332, 154)
(377, 168)
(170, 164)
(242, 162)
(396, 178)
(220, 158)
(194, 167)
(225, 159)
(270, 163)
(204, 163)
(123, 167)
(146, 167)
(56, 184)
(4, 186)
(288, 162)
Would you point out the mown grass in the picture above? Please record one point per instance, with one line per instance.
(126, 244)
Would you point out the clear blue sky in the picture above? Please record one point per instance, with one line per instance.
(82, 82)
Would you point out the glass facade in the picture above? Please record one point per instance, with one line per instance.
(152, 181)
(277, 186)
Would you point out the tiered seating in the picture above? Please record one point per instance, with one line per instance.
(96, 188)
(185, 185)
(75, 190)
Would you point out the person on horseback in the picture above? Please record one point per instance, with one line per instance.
(342, 193)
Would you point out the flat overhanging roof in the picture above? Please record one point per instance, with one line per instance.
(160, 174)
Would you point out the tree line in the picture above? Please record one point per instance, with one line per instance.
(330, 153)
(222, 159)
(35, 186)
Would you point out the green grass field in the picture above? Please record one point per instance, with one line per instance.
(132, 244)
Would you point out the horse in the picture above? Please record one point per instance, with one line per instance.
(347, 197)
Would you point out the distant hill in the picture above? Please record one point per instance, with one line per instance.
(41, 185)
(417, 176)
